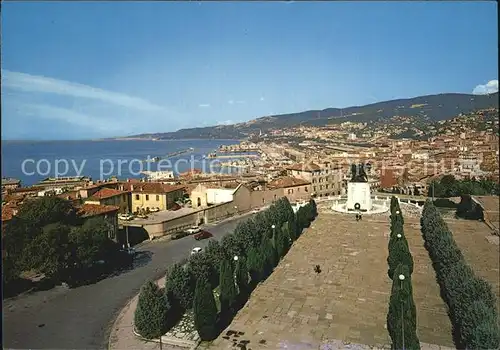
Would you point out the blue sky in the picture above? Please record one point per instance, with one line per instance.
(90, 69)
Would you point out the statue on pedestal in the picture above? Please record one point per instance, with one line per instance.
(358, 173)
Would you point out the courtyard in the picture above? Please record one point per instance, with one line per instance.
(348, 300)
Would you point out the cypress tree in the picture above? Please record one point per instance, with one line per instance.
(180, 285)
(228, 290)
(282, 243)
(399, 253)
(242, 275)
(255, 265)
(269, 255)
(151, 312)
(205, 310)
(402, 314)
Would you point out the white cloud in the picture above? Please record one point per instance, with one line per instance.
(204, 105)
(489, 88)
(27, 97)
(262, 98)
(37, 83)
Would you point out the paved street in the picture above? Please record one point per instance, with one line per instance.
(81, 318)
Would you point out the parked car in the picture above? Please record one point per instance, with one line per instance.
(181, 234)
(202, 235)
(142, 216)
(196, 250)
(255, 211)
(154, 210)
(125, 217)
(192, 230)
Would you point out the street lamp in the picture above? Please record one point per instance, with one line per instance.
(273, 226)
(401, 278)
(235, 258)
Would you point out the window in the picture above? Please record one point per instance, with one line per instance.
(326, 186)
(314, 188)
(157, 197)
(298, 189)
(147, 197)
(137, 197)
(305, 189)
(199, 202)
(320, 187)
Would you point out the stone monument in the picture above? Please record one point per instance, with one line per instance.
(358, 189)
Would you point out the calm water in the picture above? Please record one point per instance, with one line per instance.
(100, 159)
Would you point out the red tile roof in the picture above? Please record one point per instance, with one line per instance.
(88, 210)
(151, 187)
(287, 181)
(309, 167)
(104, 193)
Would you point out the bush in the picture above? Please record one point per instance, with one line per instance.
(205, 310)
(151, 312)
(269, 255)
(180, 284)
(200, 266)
(282, 243)
(470, 300)
(402, 314)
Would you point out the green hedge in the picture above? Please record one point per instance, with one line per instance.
(470, 300)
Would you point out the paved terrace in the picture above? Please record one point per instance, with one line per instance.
(491, 207)
(348, 300)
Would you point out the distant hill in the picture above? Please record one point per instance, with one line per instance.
(430, 108)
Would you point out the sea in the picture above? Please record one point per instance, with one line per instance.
(33, 161)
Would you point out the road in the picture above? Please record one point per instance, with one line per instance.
(81, 318)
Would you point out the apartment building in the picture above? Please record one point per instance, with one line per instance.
(9, 184)
(148, 195)
(325, 179)
(295, 189)
(109, 196)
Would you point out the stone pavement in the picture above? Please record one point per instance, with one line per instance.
(347, 302)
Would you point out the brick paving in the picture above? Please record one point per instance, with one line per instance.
(348, 300)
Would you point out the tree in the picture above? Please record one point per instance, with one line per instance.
(200, 266)
(399, 253)
(227, 288)
(262, 224)
(401, 318)
(282, 242)
(269, 255)
(49, 252)
(242, 275)
(255, 265)
(231, 246)
(205, 310)
(216, 254)
(180, 284)
(248, 234)
(90, 242)
(48, 210)
(14, 240)
(151, 312)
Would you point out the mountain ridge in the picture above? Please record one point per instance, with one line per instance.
(428, 107)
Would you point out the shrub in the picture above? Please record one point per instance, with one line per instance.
(205, 310)
(151, 312)
(282, 243)
(227, 287)
(401, 317)
(269, 255)
(200, 265)
(180, 285)
(470, 300)
(215, 254)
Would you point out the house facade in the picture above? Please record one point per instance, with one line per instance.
(148, 195)
(109, 196)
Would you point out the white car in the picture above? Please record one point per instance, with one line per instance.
(125, 217)
(192, 230)
(196, 250)
(154, 210)
(255, 211)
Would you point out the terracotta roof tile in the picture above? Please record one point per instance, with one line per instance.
(88, 210)
(288, 181)
(8, 211)
(309, 167)
(151, 187)
(104, 193)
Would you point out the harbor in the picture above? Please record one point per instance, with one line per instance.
(170, 155)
